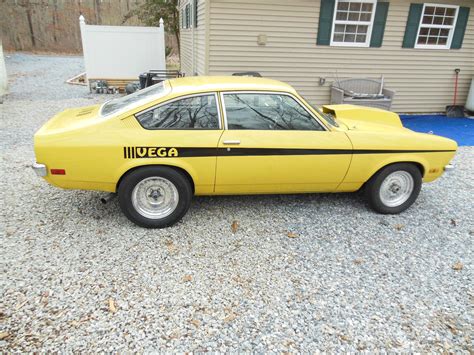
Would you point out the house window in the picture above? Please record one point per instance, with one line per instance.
(436, 26)
(352, 25)
(188, 16)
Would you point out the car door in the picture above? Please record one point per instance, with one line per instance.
(183, 132)
(273, 144)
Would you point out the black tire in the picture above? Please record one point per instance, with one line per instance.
(176, 178)
(373, 187)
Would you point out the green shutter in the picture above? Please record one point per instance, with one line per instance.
(326, 15)
(413, 22)
(378, 28)
(195, 13)
(460, 29)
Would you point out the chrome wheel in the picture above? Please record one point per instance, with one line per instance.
(155, 197)
(397, 188)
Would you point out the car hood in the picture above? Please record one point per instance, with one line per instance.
(365, 118)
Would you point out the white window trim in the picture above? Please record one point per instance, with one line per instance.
(451, 28)
(369, 29)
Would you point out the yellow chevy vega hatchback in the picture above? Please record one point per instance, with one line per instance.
(192, 136)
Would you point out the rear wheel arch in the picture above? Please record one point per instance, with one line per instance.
(179, 169)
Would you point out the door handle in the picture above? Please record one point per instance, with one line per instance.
(235, 142)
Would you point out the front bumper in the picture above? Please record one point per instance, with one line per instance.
(40, 169)
(449, 167)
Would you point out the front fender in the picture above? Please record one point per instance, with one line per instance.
(364, 166)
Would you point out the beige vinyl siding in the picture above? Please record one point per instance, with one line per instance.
(422, 78)
(200, 39)
(193, 42)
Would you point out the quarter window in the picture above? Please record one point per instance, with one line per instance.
(198, 112)
(267, 112)
(436, 26)
(352, 25)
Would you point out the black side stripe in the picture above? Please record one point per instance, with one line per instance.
(131, 152)
(284, 151)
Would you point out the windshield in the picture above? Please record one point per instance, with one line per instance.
(134, 100)
(327, 116)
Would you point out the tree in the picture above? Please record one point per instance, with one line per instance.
(151, 11)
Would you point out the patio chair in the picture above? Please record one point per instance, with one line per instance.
(363, 92)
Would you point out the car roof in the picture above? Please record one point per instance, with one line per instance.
(196, 84)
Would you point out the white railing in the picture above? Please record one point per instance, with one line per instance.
(122, 52)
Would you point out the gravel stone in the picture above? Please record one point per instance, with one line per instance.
(351, 280)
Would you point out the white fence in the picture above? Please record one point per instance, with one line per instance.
(122, 52)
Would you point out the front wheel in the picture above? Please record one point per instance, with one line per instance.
(154, 196)
(394, 188)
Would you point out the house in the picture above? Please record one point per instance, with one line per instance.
(415, 45)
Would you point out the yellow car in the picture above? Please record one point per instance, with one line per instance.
(192, 136)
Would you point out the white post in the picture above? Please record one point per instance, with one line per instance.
(3, 75)
(162, 41)
(82, 25)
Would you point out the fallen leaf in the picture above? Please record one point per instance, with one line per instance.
(196, 323)
(187, 278)
(230, 318)
(174, 335)
(112, 306)
(452, 328)
(292, 235)
(458, 266)
(399, 227)
(235, 226)
(344, 337)
(170, 245)
(361, 346)
(4, 335)
(453, 222)
(358, 261)
(44, 298)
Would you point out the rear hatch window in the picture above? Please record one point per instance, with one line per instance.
(135, 100)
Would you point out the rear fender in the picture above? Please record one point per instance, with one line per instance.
(137, 163)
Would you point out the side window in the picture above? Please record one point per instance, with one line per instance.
(267, 112)
(198, 112)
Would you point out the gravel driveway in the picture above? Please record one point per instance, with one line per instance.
(296, 273)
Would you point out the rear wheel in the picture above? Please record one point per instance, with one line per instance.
(394, 188)
(154, 196)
